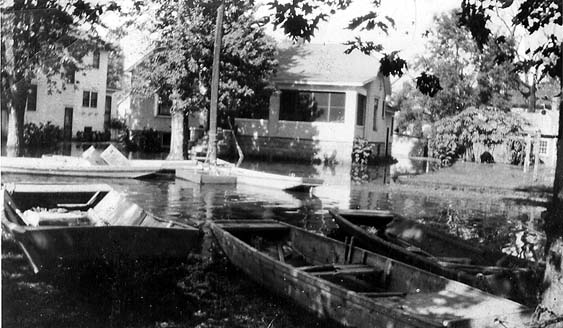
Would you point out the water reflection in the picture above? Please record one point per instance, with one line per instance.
(500, 223)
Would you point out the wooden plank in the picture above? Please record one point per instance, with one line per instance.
(252, 226)
(339, 269)
(382, 294)
(114, 157)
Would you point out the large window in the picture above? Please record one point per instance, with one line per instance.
(32, 98)
(306, 106)
(361, 110)
(90, 99)
(163, 106)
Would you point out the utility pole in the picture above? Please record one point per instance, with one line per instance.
(212, 147)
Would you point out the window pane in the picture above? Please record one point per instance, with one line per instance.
(337, 114)
(375, 107)
(164, 105)
(288, 103)
(69, 76)
(321, 98)
(86, 98)
(320, 114)
(96, 60)
(337, 100)
(94, 100)
(361, 110)
(32, 98)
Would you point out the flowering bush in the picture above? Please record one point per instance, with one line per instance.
(456, 135)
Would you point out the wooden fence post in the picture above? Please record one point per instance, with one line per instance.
(528, 152)
(537, 139)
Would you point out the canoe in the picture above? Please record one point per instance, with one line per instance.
(74, 167)
(413, 243)
(229, 174)
(353, 286)
(72, 225)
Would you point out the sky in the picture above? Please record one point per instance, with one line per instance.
(412, 18)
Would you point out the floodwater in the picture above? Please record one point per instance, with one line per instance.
(495, 221)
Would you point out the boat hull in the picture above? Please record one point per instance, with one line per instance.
(123, 231)
(54, 167)
(439, 303)
(496, 273)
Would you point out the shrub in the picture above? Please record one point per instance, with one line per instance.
(42, 135)
(118, 124)
(362, 150)
(147, 140)
(455, 136)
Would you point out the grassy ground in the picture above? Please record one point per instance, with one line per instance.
(201, 291)
(487, 178)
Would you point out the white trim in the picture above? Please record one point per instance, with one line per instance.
(320, 83)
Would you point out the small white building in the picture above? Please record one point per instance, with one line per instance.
(77, 105)
(545, 121)
(324, 99)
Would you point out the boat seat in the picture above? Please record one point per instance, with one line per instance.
(382, 294)
(252, 226)
(340, 269)
(85, 206)
(74, 218)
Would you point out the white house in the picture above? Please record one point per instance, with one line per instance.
(77, 105)
(324, 99)
(546, 121)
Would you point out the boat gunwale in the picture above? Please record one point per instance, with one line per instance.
(358, 299)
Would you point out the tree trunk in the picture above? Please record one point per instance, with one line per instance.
(177, 135)
(552, 299)
(16, 107)
(532, 98)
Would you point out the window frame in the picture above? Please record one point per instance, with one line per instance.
(158, 109)
(361, 122)
(89, 99)
(31, 91)
(309, 95)
(96, 59)
(375, 109)
(542, 147)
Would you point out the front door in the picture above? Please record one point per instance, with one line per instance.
(107, 113)
(67, 128)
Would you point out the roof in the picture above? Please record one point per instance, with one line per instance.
(325, 63)
(546, 121)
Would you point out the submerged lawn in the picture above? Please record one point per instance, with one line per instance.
(486, 177)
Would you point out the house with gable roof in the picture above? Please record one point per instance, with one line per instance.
(324, 99)
(79, 102)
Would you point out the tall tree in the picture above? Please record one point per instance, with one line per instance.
(47, 39)
(179, 67)
(536, 16)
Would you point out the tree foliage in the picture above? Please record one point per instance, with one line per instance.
(183, 54)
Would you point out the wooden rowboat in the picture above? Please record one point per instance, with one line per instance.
(74, 167)
(356, 287)
(413, 243)
(229, 174)
(71, 225)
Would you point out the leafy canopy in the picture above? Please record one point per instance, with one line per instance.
(183, 55)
